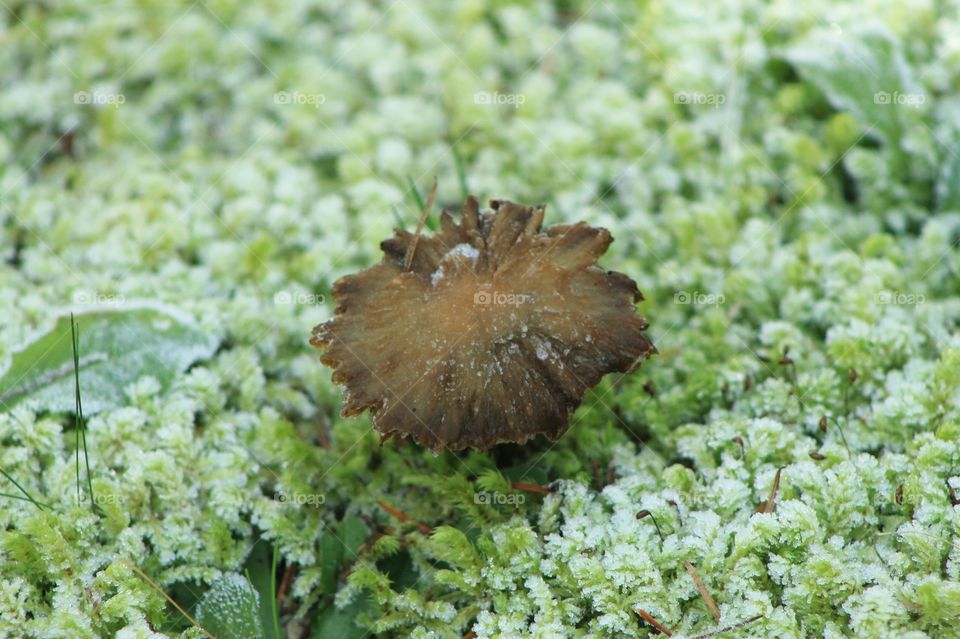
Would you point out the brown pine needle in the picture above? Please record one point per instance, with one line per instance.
(285, 581)
(402, 516)
(531, 488)
(423, 220)
(739, 624)
(653, 622)
(156, 587)
(768, 505)
(707, 598)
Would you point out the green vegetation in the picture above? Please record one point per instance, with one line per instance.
(782, 180)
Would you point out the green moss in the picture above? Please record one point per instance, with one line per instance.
(794, 232)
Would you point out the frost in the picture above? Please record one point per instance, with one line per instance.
(230, 608)
(820, 210)
(464, 251)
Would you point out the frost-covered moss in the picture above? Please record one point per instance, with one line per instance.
(781, 178)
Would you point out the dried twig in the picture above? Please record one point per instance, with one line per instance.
(531, 488)
(285, 581)
(156, 587)
(707, 598)
(769, 505)
(402, 516)
(653, 622)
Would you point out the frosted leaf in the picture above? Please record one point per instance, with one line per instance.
(230, 608)
(117, 347)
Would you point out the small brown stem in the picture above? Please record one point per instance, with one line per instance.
(531, 488)
(647, 513)
(707, 598)
(423, 219)
(156, 587)
(653, 622)
(402, 516)
(769, 505)
(285, 582)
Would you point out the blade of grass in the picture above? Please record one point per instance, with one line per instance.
(23, 490)
(273, 592)
(418, 200)
(461, 174)
(396, 217)
(740, 624)
(79, 422)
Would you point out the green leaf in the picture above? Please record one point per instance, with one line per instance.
(948, 183)
(117, 347)
(353, 533)
(339, 545)
(334, 623)
(260, 570)
(866, 76)
(231, 608)
(331, 554)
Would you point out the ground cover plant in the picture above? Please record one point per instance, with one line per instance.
(181, 183)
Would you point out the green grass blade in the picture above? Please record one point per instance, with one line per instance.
(417, 198)
(461, 173)
(23, 490)
(79, 422)
(273, 591)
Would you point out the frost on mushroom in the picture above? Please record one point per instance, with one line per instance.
(492, 335)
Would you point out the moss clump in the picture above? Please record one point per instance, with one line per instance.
(785, 192)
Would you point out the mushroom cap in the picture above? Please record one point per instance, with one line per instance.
(493, 334)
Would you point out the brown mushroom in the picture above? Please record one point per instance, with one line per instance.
(493, 334)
